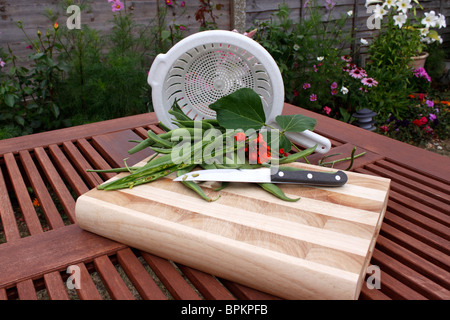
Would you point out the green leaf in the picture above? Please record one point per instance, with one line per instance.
(295, 123)
(241, 109)
(20, 120)
(9, 99)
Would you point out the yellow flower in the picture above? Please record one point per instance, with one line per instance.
(56, 25)
(39, 33)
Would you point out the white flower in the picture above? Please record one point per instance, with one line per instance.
(403, 5)
(430, 19)
(400, 19)
(441, 21)
(350, 13)
(371, 2)
(389, 3)
(344, 90)
(320, 58)
(296, 47)
(379, 12)
(364, 42)
(424, 32)
(440, 39)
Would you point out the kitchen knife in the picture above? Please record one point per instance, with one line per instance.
(268, 175)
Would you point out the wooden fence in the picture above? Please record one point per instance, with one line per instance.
(238, 14)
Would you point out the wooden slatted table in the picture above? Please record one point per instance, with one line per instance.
(42, 175)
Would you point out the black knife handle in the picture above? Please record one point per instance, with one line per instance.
(314, 178)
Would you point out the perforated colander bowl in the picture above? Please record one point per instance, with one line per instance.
(203, 67)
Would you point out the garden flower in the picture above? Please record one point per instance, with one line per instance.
(344, 90)
(404, 5)
(320, 58)
(296, 47)
(400, 19)
(430, 19)
(441, 21)
(117, 6)
(306, 86)
(384, 128)
(29, 46)
(334, 85)
(350, 13)
(379, 12)
(313, 97)
(327, 110)
(432, 117)
(364, 42)
(369, 82)
(329, 4)
(2, 63)
(315, 68)
(182, 4)
(430, 103)
(169, 3)
(333, 92)
(389, 3)
(357, 73)
(347, 58)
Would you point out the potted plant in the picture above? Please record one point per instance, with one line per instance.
(404, 28)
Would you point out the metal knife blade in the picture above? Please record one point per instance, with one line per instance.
(268, 175)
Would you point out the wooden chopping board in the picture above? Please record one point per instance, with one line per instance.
(316, 248)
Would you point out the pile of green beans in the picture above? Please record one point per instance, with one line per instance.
(162, 163)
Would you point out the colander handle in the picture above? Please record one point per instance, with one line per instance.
(309, 139)
(157, 72)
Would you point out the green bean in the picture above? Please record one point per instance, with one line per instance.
(157, 139)
(192, 185)
(161, 150)
(296, 156)
(194, 124)
(164, 127)
(276, 191)
(141, 146)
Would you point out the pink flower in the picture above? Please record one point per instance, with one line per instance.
(306, 86)
(117, 5)
(315, 68)
(29, 47)
(369, 82)
(2, 63)
(313, 97)
(327, 110)
(384, 128)
(182, 28)
(432, 117)
(182, 4)
(430, 103)
(295, 93)
(333, 92)
(169, 3)
(357, 73)
(334, 85)
(347, 58)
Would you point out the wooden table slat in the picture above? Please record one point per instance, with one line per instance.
(87, 289)
(434, 197)
(396, 289)
(208, 285)
(95, 158)
(415, 262)
(169, 276)
(424, 250)
(55, 285)
(68, 171)
(3, 295)
(140, 278)
(92, 178)
(372, 294)
(31, 257)
(23, 197)
(111, 279)
(415, 174)
(26, 290)
(8, 220)
(59, 187)
(417, 231)
(45, 200)
(409, 277)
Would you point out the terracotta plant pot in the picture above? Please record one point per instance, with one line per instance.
(419, 61)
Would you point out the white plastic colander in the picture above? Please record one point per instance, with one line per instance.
(206, 66)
